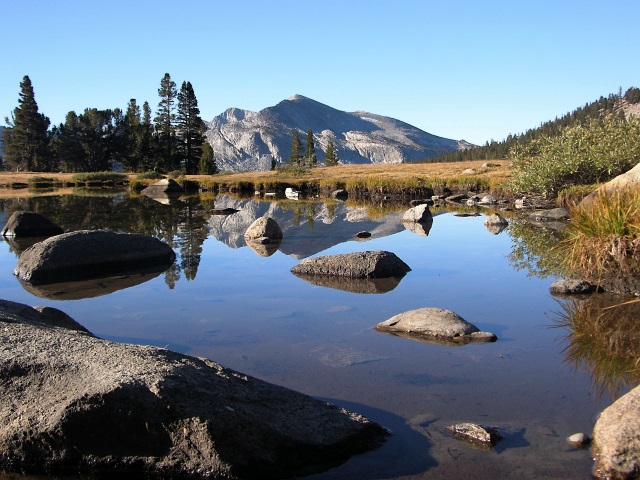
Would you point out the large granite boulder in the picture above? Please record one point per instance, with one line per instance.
(420, 213)
(627, 181)
(616, 438)
(30, 224)
(370, 264)
(263, 227)
(70, 401)
(90, 254)
(434, 325)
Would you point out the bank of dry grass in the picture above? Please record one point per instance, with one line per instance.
(366, 178)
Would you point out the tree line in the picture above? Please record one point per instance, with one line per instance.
(101, 140)
(604, 106)
(308, 158)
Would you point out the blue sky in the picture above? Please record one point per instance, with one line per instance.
(474, 70)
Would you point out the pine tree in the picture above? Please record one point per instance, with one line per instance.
(208, 160)
(165, 128)
(26, 142)
(330, 158)
(145, 140)
(131, 160)
(296, 149)
(310, 154)
(190, 129)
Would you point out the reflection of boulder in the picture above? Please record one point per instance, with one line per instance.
(165, 198)
(495, 223)
(20, 244)
(89, 254)
(74, 401)
(371, 264)
(30, 224)
(95, 287)
(419, 228)
(495, 229)
(264, 246)
(354, 285)
(434, 325)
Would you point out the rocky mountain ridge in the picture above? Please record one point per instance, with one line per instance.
(243, 140)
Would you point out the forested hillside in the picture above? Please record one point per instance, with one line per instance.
(617, 104)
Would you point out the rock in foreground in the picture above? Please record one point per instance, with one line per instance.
(616, 443)
(370, 264)
(477, 436)
(72, 401)
(434, 325)
(90, 254)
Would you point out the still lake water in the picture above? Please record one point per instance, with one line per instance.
(225, 301)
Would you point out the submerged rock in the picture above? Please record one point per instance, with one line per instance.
(551, 215)
(30, 224)
(370, 264)
(478, 436)
(434, 325)
(616, 443)
(578, 440)
(71, 401)
(90, 254)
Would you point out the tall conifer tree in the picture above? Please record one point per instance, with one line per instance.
(330, 158)
(310, 154)
(296, 149)
(165, 123)
(26, 142)
(190, 129)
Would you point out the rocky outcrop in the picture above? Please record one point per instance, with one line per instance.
(71, 401)
(434, 325)
(616, 443)
(248, 141)
(370, 264)
(30, 224)
(90, 254)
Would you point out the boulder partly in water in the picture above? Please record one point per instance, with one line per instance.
(30, 224)
(370, 264)
(89, 254)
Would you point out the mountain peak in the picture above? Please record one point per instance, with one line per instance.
(249, 141)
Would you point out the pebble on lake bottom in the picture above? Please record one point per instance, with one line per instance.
(579, 440)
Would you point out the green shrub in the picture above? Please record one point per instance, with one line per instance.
(99, 177)
(149, 176)
(581, 155)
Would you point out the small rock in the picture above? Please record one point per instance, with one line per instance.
(478, 436)
(363, 235)
(487, 200)
(572, 287)
(468, 171)
(371, 264)
(416, 202)
(549, 215)
(579, 440)
(496, 219)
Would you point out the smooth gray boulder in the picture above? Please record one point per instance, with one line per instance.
(30, 224)
(369, 264)
(418, 214)
(434, 325)
(263, 227)
(615, 439)
(90, 254)
(71, 402)
(496, 219)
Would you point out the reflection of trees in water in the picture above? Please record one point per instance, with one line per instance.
(180, 225)
(300, 210)
(534, 249)
(603, 340)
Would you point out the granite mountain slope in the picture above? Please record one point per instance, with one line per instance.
(247, 141)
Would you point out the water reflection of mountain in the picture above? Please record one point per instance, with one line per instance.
(308, 227)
